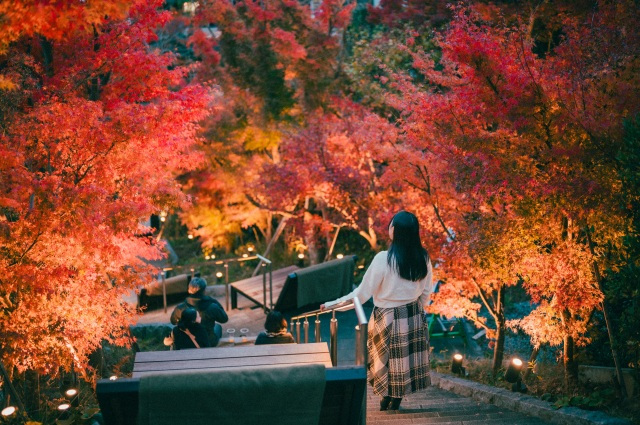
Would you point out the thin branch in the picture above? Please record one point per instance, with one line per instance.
(484, 299)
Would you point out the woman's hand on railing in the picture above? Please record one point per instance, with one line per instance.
(322, 307)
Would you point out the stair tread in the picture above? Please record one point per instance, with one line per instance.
(439, 407)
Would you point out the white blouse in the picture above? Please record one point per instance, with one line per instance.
(387, 288)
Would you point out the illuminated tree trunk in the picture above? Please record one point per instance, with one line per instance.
(614, 353)
(568, 355)
(498, 352)
(309, 233)
(501, 327)
(532, 361)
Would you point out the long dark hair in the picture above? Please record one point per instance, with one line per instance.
(406, 254)
(187, 318)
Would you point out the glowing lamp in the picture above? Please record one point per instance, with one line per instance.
(245, 255)
(219, 275)
(207, 257)
(513, 371)
(8, 411)
(190, 236)
(456, 364)
(163, 219)
(513, 375)
(361, 266)
(64, 407)
(250, 249)
(213, 256)
(71, 392)
(339, 256)
(113, 378)
(301, 256)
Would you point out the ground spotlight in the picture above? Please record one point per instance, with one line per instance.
(113, 378)
(456, 364)
(513, 375)
(9, 411)
(339, 256)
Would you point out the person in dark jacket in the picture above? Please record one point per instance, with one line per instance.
(275, 330)
(188, 333)
(209, 308)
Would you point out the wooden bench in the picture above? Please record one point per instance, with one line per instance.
(252, 288)
(344, 393)
(153, 362)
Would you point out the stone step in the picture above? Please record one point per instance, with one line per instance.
(440, 407)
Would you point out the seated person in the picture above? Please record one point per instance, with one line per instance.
(276, 330)
(209, 308)
(188, 333)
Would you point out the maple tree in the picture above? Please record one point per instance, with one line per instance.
(525, 135)
(275, 63)
(97, 126)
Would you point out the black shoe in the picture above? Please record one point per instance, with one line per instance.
(384, 403)
(395, 403)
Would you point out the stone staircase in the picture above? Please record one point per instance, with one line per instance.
(437, 406)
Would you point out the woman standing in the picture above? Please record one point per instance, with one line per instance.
(400, 282)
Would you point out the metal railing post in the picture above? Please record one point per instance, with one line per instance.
(264, 289)
(298, 331)
(361, 334)
(318, 336)
(334, 339)
(271, 285)
(306, 330)
(226, 284)
(164, 291)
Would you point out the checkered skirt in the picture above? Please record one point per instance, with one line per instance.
(398, 350)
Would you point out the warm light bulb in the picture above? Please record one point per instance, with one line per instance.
(163, 219)
(8, 411)
(113, 378)
(457, 357)
(64, 406)
(219, 274)
(250, 249)
(213, 256)
(339, 256)
(361, 266)
(517, 362)
(71, 392)
(207, 257)
(301, 256)
(190, 236)
(245, 255)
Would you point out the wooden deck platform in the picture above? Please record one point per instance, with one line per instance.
(252, 288)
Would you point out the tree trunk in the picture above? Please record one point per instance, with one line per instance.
(570, 365)
(47, 55)
(532, 361)
(612, 341)
(501, 328)
(498, 351)
(272, 241)
(309, 238)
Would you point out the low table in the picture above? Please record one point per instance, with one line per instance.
(154, 362)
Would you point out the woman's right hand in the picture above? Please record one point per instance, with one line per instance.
(322, 307)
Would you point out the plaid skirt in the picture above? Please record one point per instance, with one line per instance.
(398, 350)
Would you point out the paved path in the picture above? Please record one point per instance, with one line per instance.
(436, 406)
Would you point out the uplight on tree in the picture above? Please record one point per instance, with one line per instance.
(9, 411)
